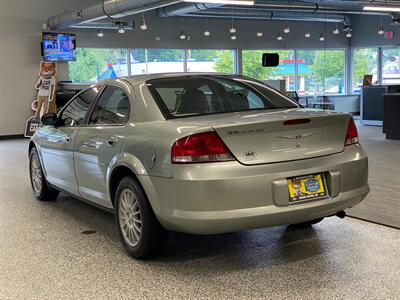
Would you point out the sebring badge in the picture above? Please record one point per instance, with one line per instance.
(297, 137)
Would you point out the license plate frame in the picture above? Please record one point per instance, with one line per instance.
(306, 188)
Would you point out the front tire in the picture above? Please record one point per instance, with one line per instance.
(138, 228)
(41, 189)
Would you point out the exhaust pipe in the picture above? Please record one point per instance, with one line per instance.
(341, 214)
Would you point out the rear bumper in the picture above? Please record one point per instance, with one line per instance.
(227, 197)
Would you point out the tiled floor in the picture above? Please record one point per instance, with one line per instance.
(44, 255)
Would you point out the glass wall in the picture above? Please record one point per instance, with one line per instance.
(365, 62)
(391, 66)
(93, 64)
(211, 61)
(252, 66)
(321, 71)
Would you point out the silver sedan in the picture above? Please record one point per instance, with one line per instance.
(197, 153)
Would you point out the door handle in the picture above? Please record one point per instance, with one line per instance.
(65, 140)
(112, 141)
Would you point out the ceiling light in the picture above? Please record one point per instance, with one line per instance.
(232, 29)
(286, 29)
(321, 37)
(100, 33)
(234, 2)
(349, 34)
(279, 37)
(307, 34)
(233, 37)
(207, 33)
(121, 28)
(383, 8)
(260, 33)
(143, 26)
(336, 30)
(381, 31)
(182, 35)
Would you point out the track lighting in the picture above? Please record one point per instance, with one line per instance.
(307, 34)
(121, 28)
(321, 37)
(381, 31)
(279, 37)
(100, 33)
(182, 35)
(286, 28)
(336, 30)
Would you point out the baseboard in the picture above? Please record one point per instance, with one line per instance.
(11, 137)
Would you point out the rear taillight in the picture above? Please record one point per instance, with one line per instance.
(352, 133)
(200, 148)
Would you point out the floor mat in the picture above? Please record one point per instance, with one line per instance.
(382, 205)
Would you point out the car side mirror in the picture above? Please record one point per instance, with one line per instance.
(50, 119)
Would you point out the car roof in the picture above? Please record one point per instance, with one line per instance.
(139, 79)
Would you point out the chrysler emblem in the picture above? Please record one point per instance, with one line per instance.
(297, 137)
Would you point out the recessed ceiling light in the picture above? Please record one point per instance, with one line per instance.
(383, 8)
(232, 2)
(100, 33)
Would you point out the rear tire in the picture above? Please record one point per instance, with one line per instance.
(308, 223)
(40, 187)
(138, 228)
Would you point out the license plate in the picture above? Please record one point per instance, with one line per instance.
(307, 187)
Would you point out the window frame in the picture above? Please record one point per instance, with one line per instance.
(91, 111)
(85, 119)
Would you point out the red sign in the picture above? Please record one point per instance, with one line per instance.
(388, 35)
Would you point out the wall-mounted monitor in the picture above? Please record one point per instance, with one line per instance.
(58, 46)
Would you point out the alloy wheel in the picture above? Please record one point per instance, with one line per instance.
(129, 217)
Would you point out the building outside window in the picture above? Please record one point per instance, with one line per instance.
(92, 64)
(365, 63)
(391, 66)
(252, 66)
(323, 71)
(210, 61)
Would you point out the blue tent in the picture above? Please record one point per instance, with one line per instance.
(287, 69)
(109, 73)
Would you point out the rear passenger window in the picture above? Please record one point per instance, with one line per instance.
(112, 107)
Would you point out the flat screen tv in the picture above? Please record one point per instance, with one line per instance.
(58, 46)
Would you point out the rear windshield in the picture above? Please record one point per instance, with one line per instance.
(201, 95)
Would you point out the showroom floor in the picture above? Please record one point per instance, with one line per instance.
(45, 255)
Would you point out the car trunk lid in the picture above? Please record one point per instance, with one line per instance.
(283, 135)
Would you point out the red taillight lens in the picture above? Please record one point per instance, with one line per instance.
(352, 134)
(199, 148)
